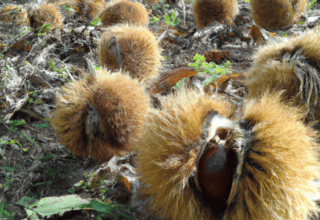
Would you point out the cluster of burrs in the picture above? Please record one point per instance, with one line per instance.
(112, 13)
(199, 157)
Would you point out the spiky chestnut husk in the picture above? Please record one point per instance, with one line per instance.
(101, 115)
(45, 14)
(168, 151)
(137, 48)
(277, 14)
(275, 171)
(278, 163)
(119, 11)
(292, 66)
(208, 11)
(14, 14)
(87, 9)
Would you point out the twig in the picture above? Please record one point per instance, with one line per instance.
(163, 35)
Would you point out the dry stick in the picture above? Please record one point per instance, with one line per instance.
(71, 77)
(163, 35)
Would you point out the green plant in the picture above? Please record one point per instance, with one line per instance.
(11, 169)
(164, 6)
(15, 123)
(51, 171)
(154, 20)
(4, 214)
(204, 68)
(67, 7)
(23, 31)
(8, 180)
(43, 125)
(28, 43)
(95, 21)
(12, 142)
(32, 141)
(311, 4)
(247, 1)
(48, 156)
(283, 33)
(8, 67)
(38, 101)
(180, 83)
(65, 76)
(57, 70)
(106, 209)
(30, 100)
(44, 30)
(171, 20)
(51, 64)
(76, 186)
(167, 58)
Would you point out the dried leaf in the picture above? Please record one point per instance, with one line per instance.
(168, 79)
(18, 45)
(2, 46)
(273, 34)
(26, 47)
(241, 19)
(126, 182)
(256, 35)
(223, 79)
(180, 31)
(217, 56)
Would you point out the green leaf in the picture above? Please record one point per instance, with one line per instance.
(39, 184)
(67, 7)
(11, 169)
(28, 202)
(31, 214)
(58, 205)
(104, 208)
(17, 122)
(78, 184)
(312, 3)
(95, 21)
(43, 125)
(51, 64)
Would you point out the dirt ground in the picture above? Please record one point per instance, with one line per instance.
(33, 67)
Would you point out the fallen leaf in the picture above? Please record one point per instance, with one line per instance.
(217, 56)
(126, 182)
(27, 48)
(168, 79)
(272, 34)
(256, 35)
(223, 79)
